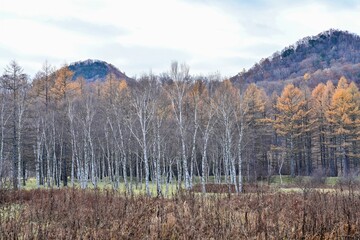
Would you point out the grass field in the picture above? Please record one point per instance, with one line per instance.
(290, 208)
(138, 189)
(263, 213)
(276, 183)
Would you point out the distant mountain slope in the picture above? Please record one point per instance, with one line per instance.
(93, 70)
(324, 57)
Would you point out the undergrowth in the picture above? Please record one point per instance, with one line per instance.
(107, 214)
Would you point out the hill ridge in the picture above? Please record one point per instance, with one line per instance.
(330, 51)
(93, 69)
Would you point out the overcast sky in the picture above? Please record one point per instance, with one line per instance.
(142, 35)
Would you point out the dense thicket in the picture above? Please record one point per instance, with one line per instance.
(75, 214)
(172, 128)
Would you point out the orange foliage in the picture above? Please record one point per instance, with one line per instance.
(290, 107)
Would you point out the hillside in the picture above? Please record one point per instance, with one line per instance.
(93, 70)
(326, 56)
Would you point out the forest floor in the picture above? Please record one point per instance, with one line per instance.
(295, 209)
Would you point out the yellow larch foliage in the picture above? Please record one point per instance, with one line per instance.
(344, 110)
(290, 111)
(123, 85)
(254, 105)
(62, 80)
(344, 115)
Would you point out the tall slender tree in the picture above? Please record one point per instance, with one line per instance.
(227, 98)
(253, 111)
(288, 121)
(343, 115)
(143, 107)
(15, 81)
(177, 93)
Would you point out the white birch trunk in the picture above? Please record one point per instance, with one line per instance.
(2, 122)
(146, 161)
(204, 159)
(241, 131)
(21, 109)
(157, 161)
(48, 166)
(193, 150)
(73, 142)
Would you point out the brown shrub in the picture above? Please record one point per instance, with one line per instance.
(230, 188)
(77, 214)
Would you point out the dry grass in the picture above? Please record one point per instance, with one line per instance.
(263, 214)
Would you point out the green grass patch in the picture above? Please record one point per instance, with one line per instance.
(105, 184)
(10, 211)
(284, 181)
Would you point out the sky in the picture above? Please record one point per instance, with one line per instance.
(139, 36)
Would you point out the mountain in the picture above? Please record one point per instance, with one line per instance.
(93, 70)
(326, 56)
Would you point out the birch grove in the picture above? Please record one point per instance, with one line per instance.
(171, 130)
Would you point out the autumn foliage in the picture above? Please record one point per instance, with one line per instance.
(172, 129)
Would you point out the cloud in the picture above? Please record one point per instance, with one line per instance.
(91, 29)
(140, 35)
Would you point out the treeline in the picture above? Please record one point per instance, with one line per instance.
(171, 129)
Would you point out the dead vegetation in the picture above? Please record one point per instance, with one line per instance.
(261, 214)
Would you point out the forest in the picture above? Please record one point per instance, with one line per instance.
(171, 129)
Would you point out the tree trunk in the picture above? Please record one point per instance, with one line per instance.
(157, 161)
(292, 160)
(146, 161)
(16, 182)
(241, 131)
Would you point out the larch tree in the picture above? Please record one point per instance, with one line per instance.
(343, 115)
(41, 105)
(305, 160)
(63, 85)
(277, 150)
(289, 118)
(61, 92)
(253, 111)
(355, 126)
(5, 116)
(15, 81)
(329, 131)
(321, 100)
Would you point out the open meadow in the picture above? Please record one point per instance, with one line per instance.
(295, 210)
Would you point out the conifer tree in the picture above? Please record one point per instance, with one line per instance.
(289, 118)
(254, 119)
(343, 115)
(15, 81)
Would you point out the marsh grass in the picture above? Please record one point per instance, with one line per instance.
(263, 213)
